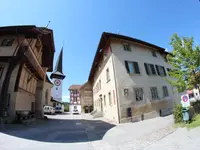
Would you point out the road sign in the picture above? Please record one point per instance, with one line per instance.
(185, 100)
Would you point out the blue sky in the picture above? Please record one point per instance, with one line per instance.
(80, 23)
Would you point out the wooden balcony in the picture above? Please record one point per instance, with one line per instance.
(33, 64)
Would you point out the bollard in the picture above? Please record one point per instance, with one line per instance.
(185, 114)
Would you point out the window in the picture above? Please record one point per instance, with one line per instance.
(104, 98)
(160, 70)
(132, 67)
(56, 88)
(7, 42)
(165, 91)
(138, 94)
(168, 71)
(153, 53)
(154, 93)
(109, 97)
(107, 74)
(125, 92)
(1, 71)
(127, 47)
(75, 107)
(150, 69)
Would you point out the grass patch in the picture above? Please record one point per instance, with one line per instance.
(192, 124)
(195, 122)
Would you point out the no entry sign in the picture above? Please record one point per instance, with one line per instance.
(185, 100)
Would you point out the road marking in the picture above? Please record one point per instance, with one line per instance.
(78, 123)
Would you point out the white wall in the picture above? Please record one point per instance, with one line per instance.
(109, 111)
(56, 91)
(124, 80)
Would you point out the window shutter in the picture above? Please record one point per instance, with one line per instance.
(124, 46)
(126, 65)
(164, 71)
(145, 65)
(157, 68)
(137, 70)
(153, 69)
(168, 70)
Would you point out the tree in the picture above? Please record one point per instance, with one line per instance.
(185, 60)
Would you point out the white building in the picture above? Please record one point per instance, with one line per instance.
(128, 79)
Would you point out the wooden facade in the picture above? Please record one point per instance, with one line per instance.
(28, 81)
(23, 76)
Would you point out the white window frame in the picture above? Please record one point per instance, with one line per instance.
(154, 93)
(126, 47)
(132, 68)
(139, 94)
(154, 54)
(126, 92)
(165, 91)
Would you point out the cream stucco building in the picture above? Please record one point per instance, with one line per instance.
(128, 79)
(26, 54)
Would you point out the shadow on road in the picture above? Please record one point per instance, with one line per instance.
(60, 131)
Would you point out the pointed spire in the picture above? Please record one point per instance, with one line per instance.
(58, 66)
(58, 72)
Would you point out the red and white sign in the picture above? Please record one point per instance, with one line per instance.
(185, 100)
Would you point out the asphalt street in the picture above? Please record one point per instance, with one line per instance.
(63, 130)
(82, 132)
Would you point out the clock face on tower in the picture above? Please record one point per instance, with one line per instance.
(57, 82)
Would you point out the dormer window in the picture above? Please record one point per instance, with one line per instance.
(153, 53)
(7, 42)
(126, 47)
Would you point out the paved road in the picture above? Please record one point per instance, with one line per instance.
(80, 132)
(69, 132)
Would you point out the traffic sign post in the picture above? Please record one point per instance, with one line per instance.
(185, 100)
(185, 104)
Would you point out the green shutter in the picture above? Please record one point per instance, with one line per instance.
(137, 70)
(126, 65)
(157, 68)
(145, 65)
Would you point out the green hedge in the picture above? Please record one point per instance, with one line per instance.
(178, 116)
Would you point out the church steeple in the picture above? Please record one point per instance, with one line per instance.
(58, 72)
(59, 62)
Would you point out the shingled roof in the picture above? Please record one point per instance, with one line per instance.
(74, 87)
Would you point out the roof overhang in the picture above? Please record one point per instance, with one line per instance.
(31, 31)
(105, 37)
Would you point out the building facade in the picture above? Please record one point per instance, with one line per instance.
(128, 79)
(26, 54)
(75, 99)
(86, 96)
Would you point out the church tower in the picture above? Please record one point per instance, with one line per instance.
(57, 79)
